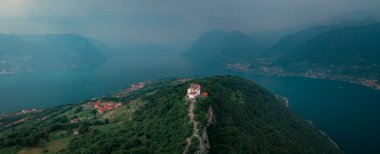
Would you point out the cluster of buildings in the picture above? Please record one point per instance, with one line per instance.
(29, 110)
(183, 80)
(24, 111)
(137, 86)
(102, 107)
(3, 72)
(370, 83)
(237, 67)
(133, 87)
(194, 91)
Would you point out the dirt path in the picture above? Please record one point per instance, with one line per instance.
(195, 127)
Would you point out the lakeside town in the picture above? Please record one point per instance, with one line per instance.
(133, 87)
(23, 111)
(15, 114)
(5, 72)
(329, 74)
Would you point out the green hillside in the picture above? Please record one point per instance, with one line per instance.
(238, 116)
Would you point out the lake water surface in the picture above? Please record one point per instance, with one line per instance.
(348, 113)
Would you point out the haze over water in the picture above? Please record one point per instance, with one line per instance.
(347, 113)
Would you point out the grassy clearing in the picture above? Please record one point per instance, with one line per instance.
(151, 93)
(105, 128)
(59, 144)
(82, 114)
(31, 151)
(53, 146)
(59, 134)
(10, 150)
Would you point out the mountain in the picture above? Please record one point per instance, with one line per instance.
(350, 51)
(291, 42)
(269, 37)
(236, 116)
(22, 53)
(357, 15)
(306, 31)
(224, 47)
(349, 45)
(103, 49)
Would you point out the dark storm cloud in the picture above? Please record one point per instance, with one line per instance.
(167, 21)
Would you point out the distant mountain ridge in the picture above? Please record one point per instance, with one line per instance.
(291, 42)
(348, 45)
(232, 47)
(224, 47)
(22, 53)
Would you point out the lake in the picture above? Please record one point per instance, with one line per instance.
(347, 113)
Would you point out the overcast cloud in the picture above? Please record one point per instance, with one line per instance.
(167, 22)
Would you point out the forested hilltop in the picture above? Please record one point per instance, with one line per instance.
(235, 116)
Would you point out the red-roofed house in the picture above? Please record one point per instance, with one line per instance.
(204, 94)
(101, 109)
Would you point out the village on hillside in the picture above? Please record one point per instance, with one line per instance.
(102, 107)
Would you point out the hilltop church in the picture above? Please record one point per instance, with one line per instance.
(194, 91)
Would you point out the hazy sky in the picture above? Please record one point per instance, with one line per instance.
(167, 22)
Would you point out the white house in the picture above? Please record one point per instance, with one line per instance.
(75, 131)
(194, 91)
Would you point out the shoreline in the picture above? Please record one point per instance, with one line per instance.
(369, 83)
(363, 82)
